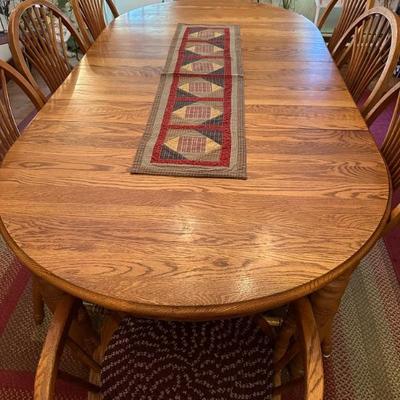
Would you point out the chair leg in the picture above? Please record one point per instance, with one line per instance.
(325, 303)
(38, 303)
(81, 328)
(282, 344)
(326, 345)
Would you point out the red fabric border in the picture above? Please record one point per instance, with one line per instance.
(24, 381)
(225, 155)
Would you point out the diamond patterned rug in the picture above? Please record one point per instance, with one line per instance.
(196, 123)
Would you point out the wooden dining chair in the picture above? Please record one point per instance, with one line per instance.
(90, 17)
(390, 148)
(37, 33)
(143, 342)
(367, 55)
(351, 10)
(9, 133)
(9, 130)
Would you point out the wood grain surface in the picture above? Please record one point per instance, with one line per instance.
(315, 200)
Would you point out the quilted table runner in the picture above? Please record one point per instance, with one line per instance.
(195, 127)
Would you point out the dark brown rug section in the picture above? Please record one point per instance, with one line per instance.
(228, 359)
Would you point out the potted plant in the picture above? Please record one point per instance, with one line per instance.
(4, 14)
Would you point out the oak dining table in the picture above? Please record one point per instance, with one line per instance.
(181, 248)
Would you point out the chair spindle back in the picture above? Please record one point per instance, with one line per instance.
(367, 54)
(38, 32)
(9, 131)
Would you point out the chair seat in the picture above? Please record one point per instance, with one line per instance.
(214, 360)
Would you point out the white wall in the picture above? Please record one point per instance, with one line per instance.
(124, 6)
(5, 52)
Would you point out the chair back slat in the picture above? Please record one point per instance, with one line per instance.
(8, 128)
(368, 53)
(9, 131)
(37, 33)
(390, 148)
(351, 10)
(90, 17)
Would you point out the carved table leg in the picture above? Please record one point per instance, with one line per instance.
(281, 346)
(325, 303)
(81, 330)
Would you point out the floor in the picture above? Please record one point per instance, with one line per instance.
(365, 364)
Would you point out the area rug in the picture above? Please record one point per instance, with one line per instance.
(366, 342)
(365, 364)
(196, 125)
(21, 340)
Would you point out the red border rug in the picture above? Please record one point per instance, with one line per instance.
(365, 361)
(196, 123)
(21, 340)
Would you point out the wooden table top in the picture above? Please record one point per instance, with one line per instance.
(174, 247)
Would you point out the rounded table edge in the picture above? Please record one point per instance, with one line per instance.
(196, 313)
